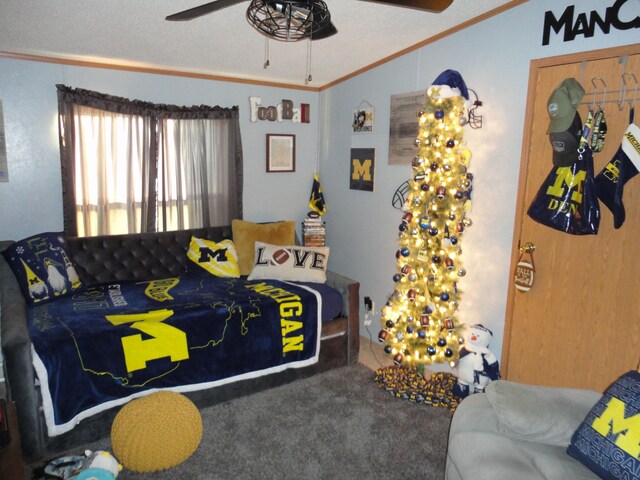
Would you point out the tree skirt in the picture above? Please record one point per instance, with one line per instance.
(409, 384)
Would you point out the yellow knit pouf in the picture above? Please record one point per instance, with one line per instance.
(156, 432)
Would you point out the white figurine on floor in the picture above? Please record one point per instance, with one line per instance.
(477, 365)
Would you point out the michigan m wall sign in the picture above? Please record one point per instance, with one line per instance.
(362, 169)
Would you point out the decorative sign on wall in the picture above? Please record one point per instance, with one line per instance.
(525, 269)
(4, 172)
(585, 23)
(282, 111)
(362, 169)
(403, 128)
(363, 117)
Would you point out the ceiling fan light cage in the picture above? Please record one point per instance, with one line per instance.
(288, 21)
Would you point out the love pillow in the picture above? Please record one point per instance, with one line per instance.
(290, 262)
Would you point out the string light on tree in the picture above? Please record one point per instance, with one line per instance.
(419, 321)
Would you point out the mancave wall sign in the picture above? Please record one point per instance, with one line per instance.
(285, 110)
(618, 16)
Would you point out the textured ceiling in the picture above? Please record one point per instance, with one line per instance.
(135, 33)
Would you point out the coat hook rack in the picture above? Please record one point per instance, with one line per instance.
(594, 81)
(623, 91)
(628, 81)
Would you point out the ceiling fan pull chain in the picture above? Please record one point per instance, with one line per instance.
(309, 78)
(266, 53)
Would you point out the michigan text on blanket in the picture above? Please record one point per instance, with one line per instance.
(290, 309)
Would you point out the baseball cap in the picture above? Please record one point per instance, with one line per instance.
(563, 103)
(565, 144)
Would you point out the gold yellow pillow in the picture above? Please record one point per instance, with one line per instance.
(219, 259)
(246, 234)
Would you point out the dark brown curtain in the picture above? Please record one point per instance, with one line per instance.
(156, 117)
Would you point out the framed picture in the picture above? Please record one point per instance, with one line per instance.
(363, 117)
(281, 153)
(403, 127)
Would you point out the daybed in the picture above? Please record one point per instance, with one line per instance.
(138, 258)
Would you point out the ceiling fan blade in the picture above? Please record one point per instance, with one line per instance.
(435, 6)
(326, 32)
(196, 12)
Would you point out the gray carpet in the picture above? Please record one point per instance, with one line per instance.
(335, 425)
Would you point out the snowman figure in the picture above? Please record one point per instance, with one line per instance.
(477, 365)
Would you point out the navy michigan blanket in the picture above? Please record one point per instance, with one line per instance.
(107, 345)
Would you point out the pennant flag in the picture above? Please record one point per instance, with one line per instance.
(316, 202)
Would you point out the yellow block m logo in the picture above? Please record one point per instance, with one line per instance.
(565, 176)
(361, 170)
(627, 430)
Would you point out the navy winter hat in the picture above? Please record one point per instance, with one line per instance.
(450, 84)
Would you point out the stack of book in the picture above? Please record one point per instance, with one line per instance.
(313, 230)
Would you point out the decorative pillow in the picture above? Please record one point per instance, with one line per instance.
(290, 262)
(608, 440)
(219, 259)
(245, 234)
(43, 267)
(536, 413)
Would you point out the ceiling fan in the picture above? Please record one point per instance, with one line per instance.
(292, 20)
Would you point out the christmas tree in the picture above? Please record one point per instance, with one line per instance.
(419, 321)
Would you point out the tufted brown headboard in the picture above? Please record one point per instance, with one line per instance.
(141, 256)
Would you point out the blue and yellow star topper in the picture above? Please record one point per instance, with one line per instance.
(316, 202)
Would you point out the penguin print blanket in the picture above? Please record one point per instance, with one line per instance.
(104, 346)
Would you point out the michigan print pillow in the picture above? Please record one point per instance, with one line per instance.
(219, 259)
(608, 440)
(43, 267)
(290, 262)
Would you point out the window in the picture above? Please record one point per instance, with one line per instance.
(131, 166)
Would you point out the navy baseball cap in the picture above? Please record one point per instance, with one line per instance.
(565, 144)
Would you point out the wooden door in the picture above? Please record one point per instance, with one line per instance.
(579, 326)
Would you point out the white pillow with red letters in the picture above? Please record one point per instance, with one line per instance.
(290, 262)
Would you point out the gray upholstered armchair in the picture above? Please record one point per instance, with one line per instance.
(516, 431)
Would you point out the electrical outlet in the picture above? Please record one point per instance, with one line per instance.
(368, 304)
(368, 311)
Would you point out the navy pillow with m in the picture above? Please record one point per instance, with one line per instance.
(608, 440)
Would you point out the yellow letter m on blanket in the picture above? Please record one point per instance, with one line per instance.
(167, 341)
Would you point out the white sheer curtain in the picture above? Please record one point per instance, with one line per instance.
(112, 155)
(196, 183)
